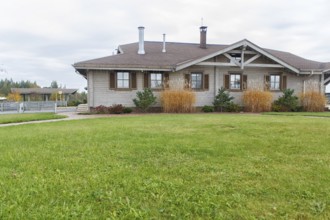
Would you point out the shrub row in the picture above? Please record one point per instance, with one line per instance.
(114, 109)
(257, 100)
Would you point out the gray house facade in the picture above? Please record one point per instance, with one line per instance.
(206, 67)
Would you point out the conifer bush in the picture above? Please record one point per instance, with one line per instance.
(287, 102)
(145, 99)
(223, 101)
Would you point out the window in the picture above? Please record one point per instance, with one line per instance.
(196, 80)
(123, 80)
(275, 82)
(235, 81)
(156, 80)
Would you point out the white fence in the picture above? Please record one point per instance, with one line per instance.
(21, 107)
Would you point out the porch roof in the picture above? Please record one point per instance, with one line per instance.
(43, 91)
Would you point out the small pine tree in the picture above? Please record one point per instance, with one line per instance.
(222, 100)
(288, 101)
(144, 99)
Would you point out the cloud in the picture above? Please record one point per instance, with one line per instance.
(39, 40)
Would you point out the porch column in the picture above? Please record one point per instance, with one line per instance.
(322, 84)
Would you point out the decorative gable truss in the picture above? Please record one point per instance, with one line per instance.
(326, 77)
(242, 54)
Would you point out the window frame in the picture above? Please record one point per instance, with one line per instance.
(239, 81)
(201, 82)
(116, 79)
(156, 80)
(271, 83)
(128, 80)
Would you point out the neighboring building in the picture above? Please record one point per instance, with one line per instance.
(44, 94)
(207, 67)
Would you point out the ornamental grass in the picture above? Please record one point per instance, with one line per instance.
(177, 99)
(313, 101)
(255, 99)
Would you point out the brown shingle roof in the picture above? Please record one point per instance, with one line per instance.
(296, 61)
(176, 53)
(179, 53)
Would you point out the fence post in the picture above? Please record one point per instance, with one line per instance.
(21, 107)
(55, 107)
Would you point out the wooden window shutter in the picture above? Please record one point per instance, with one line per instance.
(112, 80)
(133, 80)
(227, 77)
(166, 79)
(244, 84)
(267, 82)
(206, 82)
(146, 80)
(283, 83)
(187, 81)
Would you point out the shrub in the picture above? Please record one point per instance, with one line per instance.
(286, 102)
(222, 100)
(144, 99)
(207, 108)
(313, 101)
(276, 108)
(232, 107)
(116, 109)
(127, 110)
(178, 101)
(74, 103)
(101, 109)
(256, 100)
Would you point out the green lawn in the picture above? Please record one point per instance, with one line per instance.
(312, 114)
(197, 166)
(15, 118)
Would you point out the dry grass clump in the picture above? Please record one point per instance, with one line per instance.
(176, 99)
(313, 101)
(255, 99)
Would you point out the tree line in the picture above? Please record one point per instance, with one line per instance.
(7, 84)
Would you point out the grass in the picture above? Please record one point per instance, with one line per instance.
(309, 114)
(16, 118)
(199, 166)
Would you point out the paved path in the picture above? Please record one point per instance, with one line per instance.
(70, 116)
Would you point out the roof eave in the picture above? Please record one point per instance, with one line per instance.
(141, 69)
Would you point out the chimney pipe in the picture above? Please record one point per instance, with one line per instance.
(203, 30)
(141, 40)
(164, 44)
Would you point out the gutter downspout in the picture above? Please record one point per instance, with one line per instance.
(215, 78)
(304, 81)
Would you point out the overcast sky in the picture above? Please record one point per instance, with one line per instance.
(41, 39)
